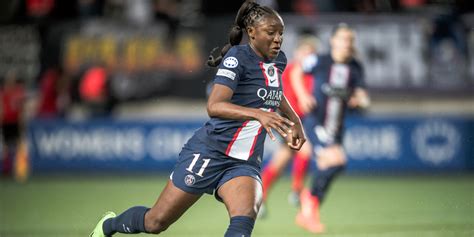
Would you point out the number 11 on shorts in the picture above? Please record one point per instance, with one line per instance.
(193, 163)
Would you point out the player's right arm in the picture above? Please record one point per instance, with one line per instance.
(360, 97)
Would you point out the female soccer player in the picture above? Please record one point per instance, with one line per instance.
(224, 156)
(339, 84)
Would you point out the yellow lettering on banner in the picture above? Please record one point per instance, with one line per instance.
(130, 57)
(71, 56)
(187, 51)
(108, 51)
(150, 53)
(89, 50)
(136, 53)
(80, 50)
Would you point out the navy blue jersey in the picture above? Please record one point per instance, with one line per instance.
(334, 84)
(256, 83)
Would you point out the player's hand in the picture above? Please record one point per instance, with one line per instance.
(358, 102)
(272, 120)
(360, 99)
(306, 102)
(297, 138)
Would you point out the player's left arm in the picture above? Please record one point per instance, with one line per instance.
(297, 137)
(360, 97)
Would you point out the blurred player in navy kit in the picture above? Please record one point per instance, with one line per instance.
(224, 156)
(338, 84)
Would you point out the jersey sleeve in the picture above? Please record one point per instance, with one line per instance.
(283, 60)
(230, 69)
(359, 80)
(309, 63)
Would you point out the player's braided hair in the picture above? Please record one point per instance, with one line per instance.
(249, 13)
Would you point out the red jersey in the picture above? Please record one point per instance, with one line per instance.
(49, 95)
(288, 90)
(12, 103)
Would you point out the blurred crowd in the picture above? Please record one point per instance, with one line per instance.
(56, 88)
(53, 90)
(174, 11)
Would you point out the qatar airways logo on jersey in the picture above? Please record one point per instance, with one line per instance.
(271, 97)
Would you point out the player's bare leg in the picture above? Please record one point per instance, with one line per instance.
(331, 156)
(242, 197)
(171, 204)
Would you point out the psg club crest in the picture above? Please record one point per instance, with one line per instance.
(271, 74)
(271, 71)
(189, 180)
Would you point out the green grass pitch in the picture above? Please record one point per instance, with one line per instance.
(388, 206)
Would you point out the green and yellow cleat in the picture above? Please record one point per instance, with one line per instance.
(98, 231)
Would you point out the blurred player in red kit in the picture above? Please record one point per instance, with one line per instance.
(12, 95)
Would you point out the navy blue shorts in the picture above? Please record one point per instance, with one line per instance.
(318, 136)
(200, 169)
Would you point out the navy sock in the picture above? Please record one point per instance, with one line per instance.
(240, 226)
(131, 221)
(322, 180)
